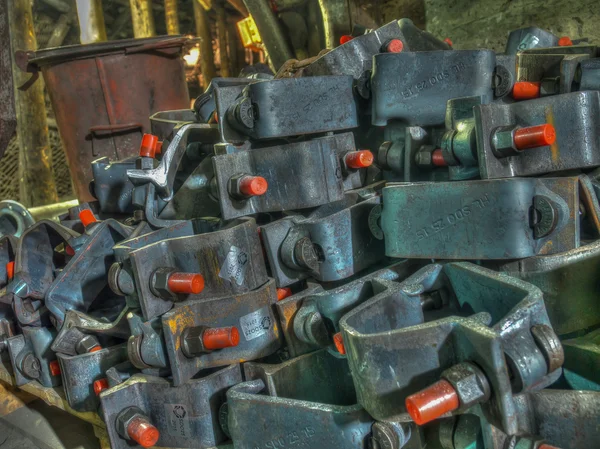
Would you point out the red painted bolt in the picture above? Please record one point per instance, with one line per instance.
(253, 185)
(345, 38)
(221, 337)
(95, 348)
(87, 217)
(534, 136)
(526, 90)
(54, 368)
(69, 250)
(158, 147)
(359, 159)
(394, 46)
(10, 270)
(565, 41)
(448, 41)
(283, 293)
(142, 432)
(547, 446)
(148, 145)
(432, 402)
(100, 385)
(437, 158)
(186, 283)
(338, 341)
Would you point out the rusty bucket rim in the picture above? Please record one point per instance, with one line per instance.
(58, 55)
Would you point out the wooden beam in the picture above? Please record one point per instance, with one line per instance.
(36, 179)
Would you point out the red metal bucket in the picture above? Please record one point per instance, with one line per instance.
(103, 95)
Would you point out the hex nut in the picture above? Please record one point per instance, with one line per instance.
(503, 142)
(470, 383)
(159, 283)
(87, 343)
(424, 158)
(234, 186)
(192, 344)
(124, 418)
(144, 163)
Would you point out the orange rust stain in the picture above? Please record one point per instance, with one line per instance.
(178, 323)
(215, 266)
(554, 150)
(10, 401)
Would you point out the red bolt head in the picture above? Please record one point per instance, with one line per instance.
(526, 90)
(87, 217)
(95, 348)
(432, 402)
(186, 283)
(283, 293)
(100, 385)
(54, 368)
(448, 41)
(10, 270)
(565, 41)
(148, 145)
(142, 432)
(437, 158)
(69, 250)
(394, 46)
(345, 38)
(359, 159)
(338, 341)
(547, 446)
(253, 185)
(221, 337)
(534, 136)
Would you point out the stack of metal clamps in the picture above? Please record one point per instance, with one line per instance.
(392, 245)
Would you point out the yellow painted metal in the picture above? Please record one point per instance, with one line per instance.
(35, 155)
(249, 34)
(102, 435)
(12, 399)
(52, 211)
(142, 18)
(51, 396)
(91, 21)
(206, 4)
(171, 17)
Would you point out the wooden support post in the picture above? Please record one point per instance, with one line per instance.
(171, 17)
(222, 38)
(234, 46)
(35, 155)
(207, 58)
(91, 21)
(142, 18)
